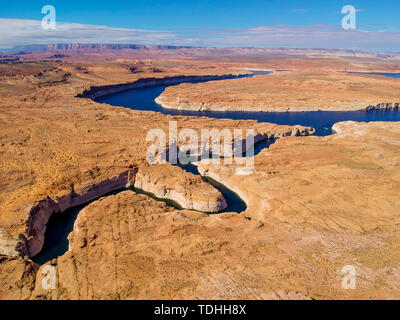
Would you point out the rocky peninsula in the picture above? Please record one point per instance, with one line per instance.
(293, 91)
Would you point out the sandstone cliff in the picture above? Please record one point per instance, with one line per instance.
(287, 92)
(188, 190)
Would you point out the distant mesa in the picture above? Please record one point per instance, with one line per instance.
(77, 46)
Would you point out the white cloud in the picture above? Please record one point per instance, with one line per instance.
(23, 32)
(312, 36)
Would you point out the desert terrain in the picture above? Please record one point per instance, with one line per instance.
(314, 204)
(287, 91)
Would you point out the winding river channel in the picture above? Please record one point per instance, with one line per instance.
(322, 121)
(60, 225)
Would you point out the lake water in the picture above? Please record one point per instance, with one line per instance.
(61, 224)
(322, 121)
(391, 75)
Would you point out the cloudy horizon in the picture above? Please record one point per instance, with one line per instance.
(20, 32)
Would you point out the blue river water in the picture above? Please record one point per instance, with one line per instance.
(322, 121)
(61, 224)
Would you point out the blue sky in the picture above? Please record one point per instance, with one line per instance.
(218, 22)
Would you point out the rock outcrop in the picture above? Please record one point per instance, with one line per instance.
(287, 92)
(17, 278)
(164, 181)
(128, 246)
(96, 92)
(188, 190)
(31, 242)
(383, 106)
